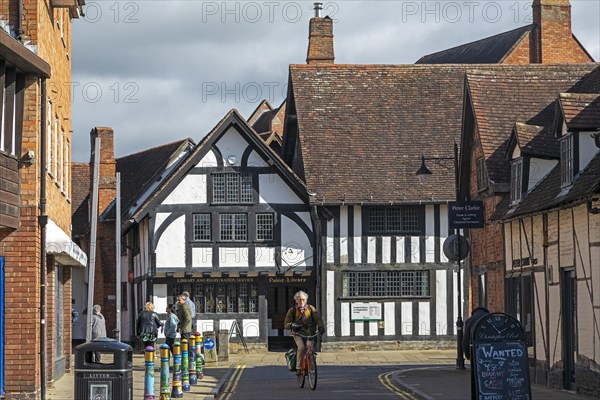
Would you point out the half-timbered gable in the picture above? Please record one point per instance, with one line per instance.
(232, 227)
(381, 230)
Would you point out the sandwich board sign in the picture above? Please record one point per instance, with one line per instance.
(500, 359)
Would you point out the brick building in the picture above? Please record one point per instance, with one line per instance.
(548, 40)
(36, 250)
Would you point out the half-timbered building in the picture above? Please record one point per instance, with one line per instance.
(552, 239)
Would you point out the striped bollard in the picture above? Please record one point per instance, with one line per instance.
(192, 357)
(176, 393)
(199, 356)
(165, 373)
(149, 379)
(185, 360)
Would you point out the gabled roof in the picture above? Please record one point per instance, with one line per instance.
(546, 194)
(580, 110)
(263, 106)
(231, 119)
(534, 141)
(80, 194)
(526, 93)
(362, 130)
(491, 50)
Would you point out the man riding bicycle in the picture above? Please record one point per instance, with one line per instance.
(305, 320)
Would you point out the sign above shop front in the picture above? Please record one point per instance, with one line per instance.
(365, 312)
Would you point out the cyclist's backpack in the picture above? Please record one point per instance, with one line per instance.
(290, 357)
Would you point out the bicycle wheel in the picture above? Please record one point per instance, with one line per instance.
(300, 378)
(312, 372)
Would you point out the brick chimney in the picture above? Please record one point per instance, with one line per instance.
(553, 35)
(107, 185)
(320, 38)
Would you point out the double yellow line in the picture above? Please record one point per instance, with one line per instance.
(232, 383)
(386, 381)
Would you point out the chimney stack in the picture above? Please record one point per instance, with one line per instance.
(320, 38)
(553, 35)
(107, 184)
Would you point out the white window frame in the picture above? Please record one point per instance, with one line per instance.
(49, 137)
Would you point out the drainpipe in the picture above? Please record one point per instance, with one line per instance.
(43, 220)
(19, 24)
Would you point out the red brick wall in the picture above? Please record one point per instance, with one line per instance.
(320, 41)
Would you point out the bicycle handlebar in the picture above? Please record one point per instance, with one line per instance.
(311, 336)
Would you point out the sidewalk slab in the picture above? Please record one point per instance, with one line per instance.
(449, 383)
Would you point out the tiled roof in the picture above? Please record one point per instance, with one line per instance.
(80, 193)
(527, 93)
(263, 123)
(580, 111)
(363, 128)
(547, 194)
(490, 50)
(138, 170)
(536, 141)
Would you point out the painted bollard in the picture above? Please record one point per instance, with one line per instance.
(149, 378)
(185, 360)
(199, 357)
(176, 393)
(192, 360)
(165, 373)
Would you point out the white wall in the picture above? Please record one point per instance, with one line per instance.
(232, 144)
(274, 190)
(191, 190)
(170, 250)
(538, 169)
(295, 248)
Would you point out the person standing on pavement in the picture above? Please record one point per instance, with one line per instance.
(184, 313)
(147, 325)
(190, 303)
(98, 327)
(171, 326)
(302, 319)
(470, 323)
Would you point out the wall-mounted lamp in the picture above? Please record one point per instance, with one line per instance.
(29, 157)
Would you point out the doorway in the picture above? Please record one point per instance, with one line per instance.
(569, 312)
(279, 300)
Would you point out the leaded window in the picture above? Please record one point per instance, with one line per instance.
(201, 226)
(233, 188)
(386, 284)
(221, 298)
(566, 160)
(264, 227)
(234, 227)
(405, 219)
(516, 180)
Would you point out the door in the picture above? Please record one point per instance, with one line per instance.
(279, 300)
(569, 302)
(59, 322)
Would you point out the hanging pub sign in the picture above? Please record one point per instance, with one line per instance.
(500, 359)
(466, 214)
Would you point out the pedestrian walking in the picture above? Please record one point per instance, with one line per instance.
(192, 305)
(184, 313)
(98, 328)
(171, 326)
(148, 324)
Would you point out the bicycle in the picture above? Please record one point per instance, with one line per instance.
(309, 363)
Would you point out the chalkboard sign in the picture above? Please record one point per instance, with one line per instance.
(500, 359)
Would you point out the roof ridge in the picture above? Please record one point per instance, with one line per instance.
(155, 148)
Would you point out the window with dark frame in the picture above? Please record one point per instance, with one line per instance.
(232, 188)
(264, 227)
(385, 284)
(202, 227)
(481, 177)
(220, 298)
(516, 180)
(233, 227)
(404, 219)
(566, 160)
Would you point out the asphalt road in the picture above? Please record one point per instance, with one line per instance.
(334, 382)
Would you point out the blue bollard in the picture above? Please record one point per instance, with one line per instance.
(177, 393)
(185, 366)
(165, 373)
(192, 360)
(149, 379)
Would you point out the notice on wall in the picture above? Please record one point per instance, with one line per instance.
(365, 312)
(565, 242)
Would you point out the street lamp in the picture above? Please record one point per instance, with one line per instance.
(424, 174)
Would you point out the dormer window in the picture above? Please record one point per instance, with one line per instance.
(516, 180)
(566, 160)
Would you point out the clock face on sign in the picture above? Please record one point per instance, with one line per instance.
(498, 327)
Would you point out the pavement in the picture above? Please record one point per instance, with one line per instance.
(431, 376)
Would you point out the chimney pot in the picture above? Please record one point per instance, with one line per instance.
(318, 8)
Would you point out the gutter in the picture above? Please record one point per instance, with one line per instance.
(43, 221)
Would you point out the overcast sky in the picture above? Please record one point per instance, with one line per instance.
(159, 71)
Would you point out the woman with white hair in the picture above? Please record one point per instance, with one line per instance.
(305, 320)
